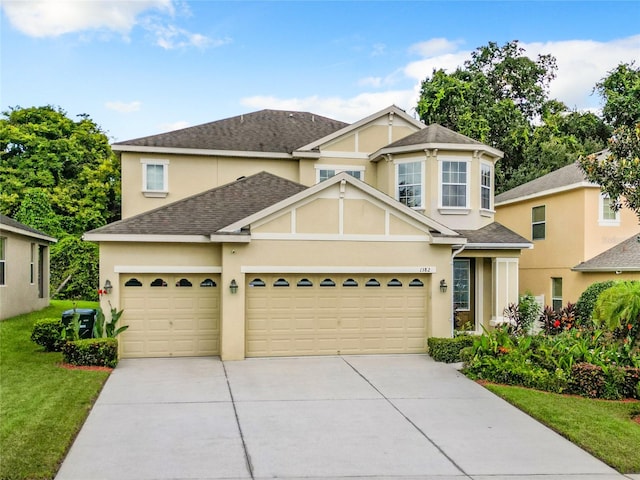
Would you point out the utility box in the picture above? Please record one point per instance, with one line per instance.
(86, 320)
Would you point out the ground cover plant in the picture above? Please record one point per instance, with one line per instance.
(606, 429)
(42, 405)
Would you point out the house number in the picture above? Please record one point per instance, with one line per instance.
(425, 269)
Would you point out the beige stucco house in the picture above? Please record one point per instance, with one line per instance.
(24, 268)
(287, 233)
(578, 239)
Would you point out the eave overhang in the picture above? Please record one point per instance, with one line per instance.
(461, 147)
(200, 152)
(26, 233)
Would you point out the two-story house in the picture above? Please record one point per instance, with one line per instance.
(287, 233)
(578, 239)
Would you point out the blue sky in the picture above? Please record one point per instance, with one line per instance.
(142, 67)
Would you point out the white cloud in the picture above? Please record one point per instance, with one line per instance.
(171, 37)
(435, 46)
(50, 18)
(581, 63)
(124, 107)
(378, 49)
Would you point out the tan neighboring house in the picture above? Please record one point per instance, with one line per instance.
(282, 233)
(24, 268)
(578, 239)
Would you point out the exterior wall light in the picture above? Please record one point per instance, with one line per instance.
(107, 286)
(233, 286)
(443, 285)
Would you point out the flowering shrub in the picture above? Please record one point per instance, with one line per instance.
(555, 322)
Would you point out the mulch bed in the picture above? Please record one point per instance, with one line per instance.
(92, 368)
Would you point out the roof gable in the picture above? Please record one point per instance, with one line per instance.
(207, 212)
(276, 131)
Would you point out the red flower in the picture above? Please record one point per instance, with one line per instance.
(556, 323)
(629, 327)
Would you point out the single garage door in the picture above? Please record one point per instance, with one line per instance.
(170, 315)
(335, 314)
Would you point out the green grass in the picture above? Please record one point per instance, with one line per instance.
(42, 406)
(602, 427)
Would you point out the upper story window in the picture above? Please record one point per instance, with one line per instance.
(324, 172)
(410, 184)
(3, 256)
(454, 184)
(607, 215)
(538, 223)
(485, 186)
(155, 177)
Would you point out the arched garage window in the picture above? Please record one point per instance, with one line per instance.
(372, 283)
(183, 282)
(349, 282)
(394, 282)
(305, 282)
(257, 282)
(158, 282)
(327, 282)
(281, 282)
(133, 282)
(207, 282)
(416, 283)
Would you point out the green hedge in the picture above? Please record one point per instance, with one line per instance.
(102, 352)
(47, 333)
(612, 383)
(448, 349)
(587, 300)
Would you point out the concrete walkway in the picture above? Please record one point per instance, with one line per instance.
(382, 417)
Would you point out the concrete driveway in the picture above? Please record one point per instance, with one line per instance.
(379, 417)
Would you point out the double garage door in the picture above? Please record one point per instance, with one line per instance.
(285, 314)
(170, 315)
(335, 314)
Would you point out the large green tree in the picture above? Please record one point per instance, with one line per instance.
(620, 90)
(60, 176)
(501, 97)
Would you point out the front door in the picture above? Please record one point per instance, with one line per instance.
(463, 294)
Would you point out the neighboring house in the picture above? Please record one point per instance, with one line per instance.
(287, 233)
(24, 268)
(578, 239)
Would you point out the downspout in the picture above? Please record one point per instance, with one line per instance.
(453, 316)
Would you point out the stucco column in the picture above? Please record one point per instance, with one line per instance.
(232, 328)
(505, 287)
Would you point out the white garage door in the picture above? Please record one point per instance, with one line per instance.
(335, 314)
(170, 315)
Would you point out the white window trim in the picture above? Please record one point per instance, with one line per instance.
(554, 297)
(32, 265)
(467, 262)
(339, 169)
(3, 259)
(606, 222)
(165, 188)
(422, 175)
(490, 210)
(453, 210)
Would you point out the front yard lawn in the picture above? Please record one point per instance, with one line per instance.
(42, 406)
(602, 427)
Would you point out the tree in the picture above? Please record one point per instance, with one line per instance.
(71, 161)
(500, 97)
(621, 91)
(617, 170)
(60, 176)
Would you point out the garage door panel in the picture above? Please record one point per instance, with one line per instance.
(336, 319)
(170, 320)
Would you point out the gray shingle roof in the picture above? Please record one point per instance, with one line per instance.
(625, 256)
(208, 212)
(434, 133)
(494, 233)
(264, 131)
(563, 177)
(10, 222)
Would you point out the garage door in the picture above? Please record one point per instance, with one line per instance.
(170, 315)
(335, 314)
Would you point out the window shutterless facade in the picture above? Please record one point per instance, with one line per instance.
(3, 263)
(410, 184)
(454, 184)
(556, 294)
(155, 177)
(607, 215)
(538, 223)
(485, 186)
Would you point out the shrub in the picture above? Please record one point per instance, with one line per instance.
(555, 322)
(611, 382)
(619, 309)
(47, 333)
(587, 301)
(101, 352)
(448, 350)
